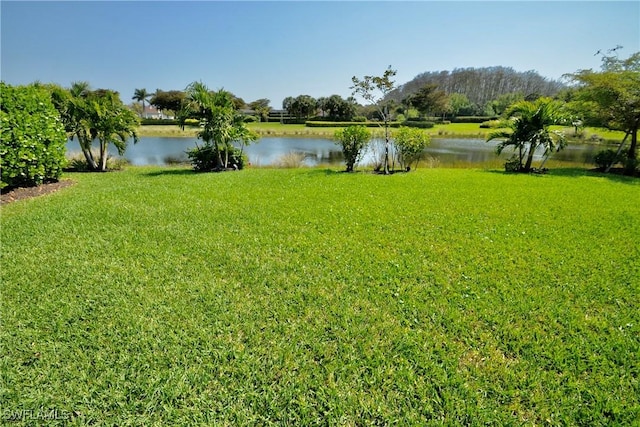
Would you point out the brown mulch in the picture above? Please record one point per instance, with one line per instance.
(22, 193)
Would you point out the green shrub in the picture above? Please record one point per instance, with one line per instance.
(631, 165)
(205, 158)
(352, 140)
(32, 137)
(251, 119)
(418, 124)
(490, 124)
(360, 119)
(158, 122)
(410, 144)
(605, 158)
(513, 164)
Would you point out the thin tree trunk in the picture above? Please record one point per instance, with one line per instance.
(520, 156)
(386, 140)
(634, 142)
(618, 152)
(103, 156)
(532, 149)
(219, 156)
(88, 155)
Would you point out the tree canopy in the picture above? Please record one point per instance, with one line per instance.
(613, 94)
(168, 100)
(481, 85)
(376, 90)
(428, 100)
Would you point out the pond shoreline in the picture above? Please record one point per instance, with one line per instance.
(295, 131)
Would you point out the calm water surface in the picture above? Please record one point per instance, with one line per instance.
(267, 151)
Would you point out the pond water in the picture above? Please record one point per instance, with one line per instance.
(268, 151)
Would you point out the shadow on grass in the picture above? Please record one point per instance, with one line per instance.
(577, 173)
(168, 172)
(335, 172)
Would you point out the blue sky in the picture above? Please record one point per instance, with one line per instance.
(278, 49)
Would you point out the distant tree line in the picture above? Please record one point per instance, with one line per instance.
(334, 107)
(481, 87)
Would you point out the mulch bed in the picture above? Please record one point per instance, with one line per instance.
(22, 193)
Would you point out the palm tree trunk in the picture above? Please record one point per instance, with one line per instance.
(532, 149)
(103, 156)
(219, 165)
(88, 155)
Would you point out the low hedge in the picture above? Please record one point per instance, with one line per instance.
(167, 122)
(323, 124)
(472, 119)
(420, 125)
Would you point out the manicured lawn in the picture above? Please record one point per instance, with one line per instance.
(310, 297)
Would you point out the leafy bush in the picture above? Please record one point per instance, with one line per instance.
(631, 165)
(251, 119)
(32, 137)
(605, 158)
(490, 124)
(513, 164)
(410, 143)
(352, 139)
(360, 119)
(205, 158)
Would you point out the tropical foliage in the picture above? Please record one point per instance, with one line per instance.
(220, 126)
(32, 138)
(97, 115)
(141, 95)
(526, 127)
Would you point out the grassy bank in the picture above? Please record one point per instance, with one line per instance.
(453, 130)
(310, 297)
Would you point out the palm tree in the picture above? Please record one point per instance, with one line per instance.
(526, 127)
(220, 123)
(95, 115)
(141, 95)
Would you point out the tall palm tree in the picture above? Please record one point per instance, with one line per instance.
(141, 95)
(526, 127)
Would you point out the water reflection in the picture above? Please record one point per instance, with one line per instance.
(317, 151)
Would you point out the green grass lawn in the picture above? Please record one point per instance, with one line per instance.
(311, 297)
